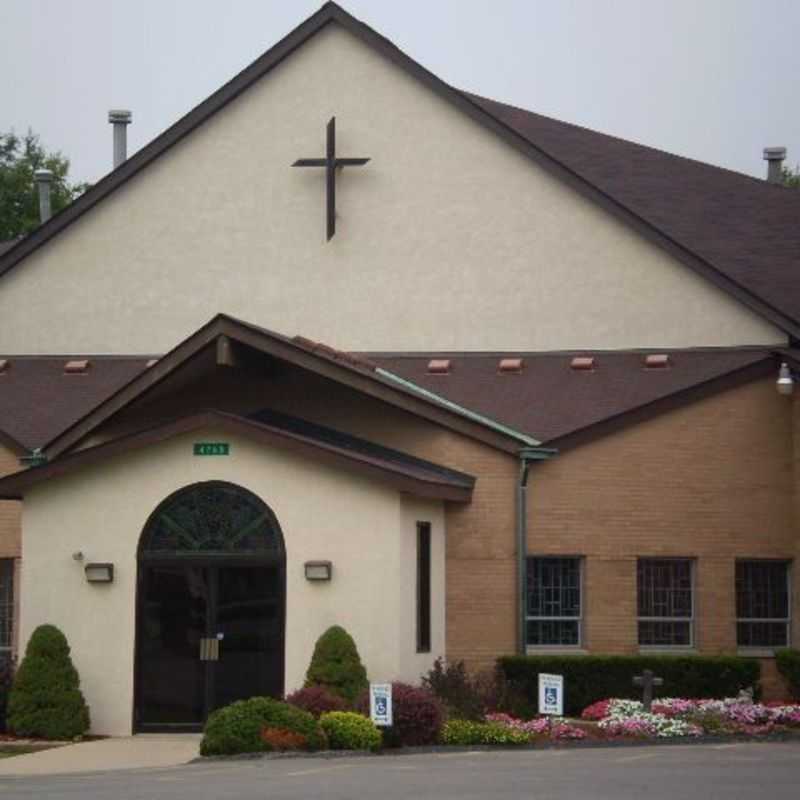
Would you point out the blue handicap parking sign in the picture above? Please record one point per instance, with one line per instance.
(551, 695)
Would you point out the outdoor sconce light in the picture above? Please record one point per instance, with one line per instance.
(785, 382)
(99, 573)
(318, 570)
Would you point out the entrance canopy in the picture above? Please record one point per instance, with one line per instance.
(408, 474)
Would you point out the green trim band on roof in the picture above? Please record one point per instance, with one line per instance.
(464, 412)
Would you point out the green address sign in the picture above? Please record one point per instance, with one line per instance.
(212, 449)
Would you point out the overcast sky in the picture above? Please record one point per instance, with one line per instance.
(715, 80)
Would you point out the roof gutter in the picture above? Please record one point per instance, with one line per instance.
(473, 416)
(527, 457)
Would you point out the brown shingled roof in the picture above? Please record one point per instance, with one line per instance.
(38, 400)
(549, 400)
(747, 229)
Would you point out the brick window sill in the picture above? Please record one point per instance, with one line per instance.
(756, 652)
(648, 649)
(555, 650)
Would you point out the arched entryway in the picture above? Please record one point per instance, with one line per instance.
(210, 606)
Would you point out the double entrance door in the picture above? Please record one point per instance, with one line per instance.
(207, 634)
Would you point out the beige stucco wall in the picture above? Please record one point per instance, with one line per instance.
(447, 239)
(367, 529)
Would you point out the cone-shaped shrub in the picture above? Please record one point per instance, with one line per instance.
(337, 666)
(45, 698)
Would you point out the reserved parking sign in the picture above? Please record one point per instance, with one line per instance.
(551, 694)
(380, 704)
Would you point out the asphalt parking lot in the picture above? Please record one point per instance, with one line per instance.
(724, 771)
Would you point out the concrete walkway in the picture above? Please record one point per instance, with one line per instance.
(128, 752)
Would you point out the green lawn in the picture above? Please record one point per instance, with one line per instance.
(7, 751)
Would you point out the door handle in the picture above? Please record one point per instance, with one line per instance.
(209, 649)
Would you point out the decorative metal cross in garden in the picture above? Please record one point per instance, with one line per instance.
(331, 164)
(647, 680)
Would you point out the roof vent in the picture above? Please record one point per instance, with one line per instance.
(582, 363)
(510, 366)
(4, 365)
(657, 361)
(79, 366)
(774, 157)
(439, 366)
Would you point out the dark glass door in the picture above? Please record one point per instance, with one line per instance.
(249, 627)
(174, 605)
(208, 635)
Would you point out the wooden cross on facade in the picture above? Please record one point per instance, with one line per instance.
(331, 164)
(647, 680)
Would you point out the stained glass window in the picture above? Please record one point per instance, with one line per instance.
(211, 518)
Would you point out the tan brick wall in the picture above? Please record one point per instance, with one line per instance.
(10, 527)
(712, 481)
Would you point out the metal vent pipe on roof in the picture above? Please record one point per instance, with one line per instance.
(43, 178)
(120, 119)
(774, 157)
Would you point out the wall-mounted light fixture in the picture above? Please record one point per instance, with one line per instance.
(99, 573)
(785, 382)
(318, 570)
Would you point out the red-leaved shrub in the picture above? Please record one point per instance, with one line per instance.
(317, 700)
(596, 711)
(417, 716)
(283, 739)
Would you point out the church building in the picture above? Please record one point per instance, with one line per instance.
(349, 345)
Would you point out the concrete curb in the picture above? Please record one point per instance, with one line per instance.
(783, 736)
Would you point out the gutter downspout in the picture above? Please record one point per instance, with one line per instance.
(527, 456)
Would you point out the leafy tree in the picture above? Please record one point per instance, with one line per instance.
(791, 177)
(20, 157)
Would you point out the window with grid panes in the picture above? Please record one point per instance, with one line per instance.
(6, 604)
(553, 614)
(762, 603)
(665, 603)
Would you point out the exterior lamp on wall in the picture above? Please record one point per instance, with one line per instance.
(785, 382)
(318, 570)
(99, 573)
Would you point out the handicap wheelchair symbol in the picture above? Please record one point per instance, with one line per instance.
(551, 696)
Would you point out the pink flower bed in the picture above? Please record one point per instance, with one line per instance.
(680, 716)
(555, 728)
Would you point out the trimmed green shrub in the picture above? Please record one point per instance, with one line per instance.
(467, 732)
(238, 728)
(45, 698)
(337, 666)
(588, 679)
(788, 663)
(317, 700)
(417, 716)
(347, 730)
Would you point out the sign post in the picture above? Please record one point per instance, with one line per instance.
(551, 694)
(380, 704)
